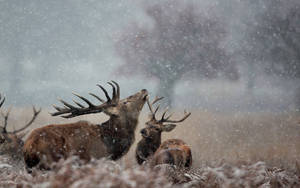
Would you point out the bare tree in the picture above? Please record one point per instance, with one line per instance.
(182, 41)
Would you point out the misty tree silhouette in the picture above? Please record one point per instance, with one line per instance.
(182, 42)
(275, 36)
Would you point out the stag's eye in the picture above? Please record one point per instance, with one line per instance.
(124, 102)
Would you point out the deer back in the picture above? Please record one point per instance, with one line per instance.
(175, 152)
(53, 142)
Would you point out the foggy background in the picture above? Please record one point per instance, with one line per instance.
(209, 55)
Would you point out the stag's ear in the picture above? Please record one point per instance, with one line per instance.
(168, 127)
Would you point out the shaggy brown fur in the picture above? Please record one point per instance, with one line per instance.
(172, 151)
(111, 139)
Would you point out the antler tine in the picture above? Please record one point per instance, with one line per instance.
(157, 99)
(57, 108)
(169, 116)
(78, 104)
(1, 102)
(84, 99)
(62, 110)
(101, 100)
(5, 116)
(163, 115)
(118, 89)
(151, 104)
(186, 115)
(150, 107)
(35, 114)
(114, 95)
(105, 92)
(66, 104)
(156, 109)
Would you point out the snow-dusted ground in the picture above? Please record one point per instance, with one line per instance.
(102, 173)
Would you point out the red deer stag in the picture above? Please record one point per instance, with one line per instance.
(11, 142)
(111, 139)
(172, 151)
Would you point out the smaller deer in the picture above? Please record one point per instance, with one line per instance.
(172, 151)
(11, 142)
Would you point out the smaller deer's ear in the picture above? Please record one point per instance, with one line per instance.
(168, 127)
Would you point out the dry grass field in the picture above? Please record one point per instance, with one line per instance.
(229, 150)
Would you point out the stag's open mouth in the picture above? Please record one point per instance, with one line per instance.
(145, 92)
(145, 97)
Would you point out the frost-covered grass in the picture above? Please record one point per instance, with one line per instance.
(101, 173)
(73, 173)
(229, 150)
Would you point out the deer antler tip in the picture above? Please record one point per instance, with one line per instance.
(74, 93)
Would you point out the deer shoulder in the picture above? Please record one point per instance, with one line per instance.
(150, 148)
(111, 139)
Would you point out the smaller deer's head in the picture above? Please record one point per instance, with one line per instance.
(129, 107)
(11, 141)
(154, 127)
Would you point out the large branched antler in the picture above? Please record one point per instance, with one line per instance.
(163, 118)
(73, 111)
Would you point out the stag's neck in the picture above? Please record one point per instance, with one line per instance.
(146, 148)
(121, 126)
(118, 135)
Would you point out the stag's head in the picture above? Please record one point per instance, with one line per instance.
(132, 105)
(129, 107)
(11, 141)
(154, 127)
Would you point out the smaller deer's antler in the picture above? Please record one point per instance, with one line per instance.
(163, 119)
(166, 120)
(151, 104)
